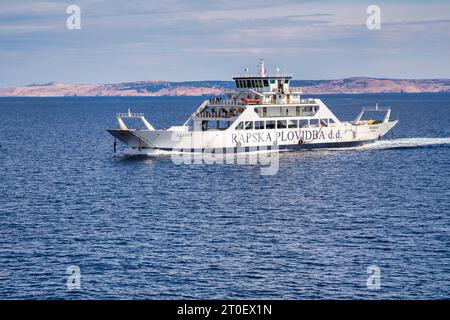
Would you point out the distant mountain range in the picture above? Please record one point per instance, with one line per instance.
(198, 88)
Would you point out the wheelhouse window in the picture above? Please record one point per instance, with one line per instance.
(248, 125)
(240, 126)
(266, 83)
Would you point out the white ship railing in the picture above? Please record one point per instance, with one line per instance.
(129, 115)
(307, 101)
(387, 111)
(216, 114)
(267, 75)
(226, 103)
(268, 102)
(375, 109)
(132, 115)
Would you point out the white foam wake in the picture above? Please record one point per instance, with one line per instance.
(161, 153)
(146, 152)
(377, 145)
(406, 143)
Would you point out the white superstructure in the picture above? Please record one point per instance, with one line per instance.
(264, 112)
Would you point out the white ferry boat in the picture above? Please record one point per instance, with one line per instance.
(264, 113)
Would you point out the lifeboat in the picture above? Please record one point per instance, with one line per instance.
(251, 101)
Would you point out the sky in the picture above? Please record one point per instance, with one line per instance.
(182, 40)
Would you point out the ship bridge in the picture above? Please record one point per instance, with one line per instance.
(263, 81)
(262, 88)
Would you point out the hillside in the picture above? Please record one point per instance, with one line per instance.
(198, 88)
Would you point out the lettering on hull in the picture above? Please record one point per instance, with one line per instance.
(285, 136)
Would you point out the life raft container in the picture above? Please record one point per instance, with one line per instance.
(247, 100)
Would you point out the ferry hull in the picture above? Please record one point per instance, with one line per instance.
(130, 138)
(330, 145)
(343, 136)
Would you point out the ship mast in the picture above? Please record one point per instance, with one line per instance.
(262, 69)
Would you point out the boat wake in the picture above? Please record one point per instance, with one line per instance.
(377, 145)
(163, 153)
(405, 143)
(146, 153)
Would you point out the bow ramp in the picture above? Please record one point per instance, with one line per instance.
(131, 137)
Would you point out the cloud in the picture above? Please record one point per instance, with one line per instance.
(159, 36)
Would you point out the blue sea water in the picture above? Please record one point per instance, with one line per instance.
(147, 228)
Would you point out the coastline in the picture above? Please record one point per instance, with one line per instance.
(356, 85)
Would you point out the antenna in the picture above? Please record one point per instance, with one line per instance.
(262, 69)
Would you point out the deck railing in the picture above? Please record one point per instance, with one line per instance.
(267, 75)
(225, 102)
(216, 114)
(129, 115)
(375, 109)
